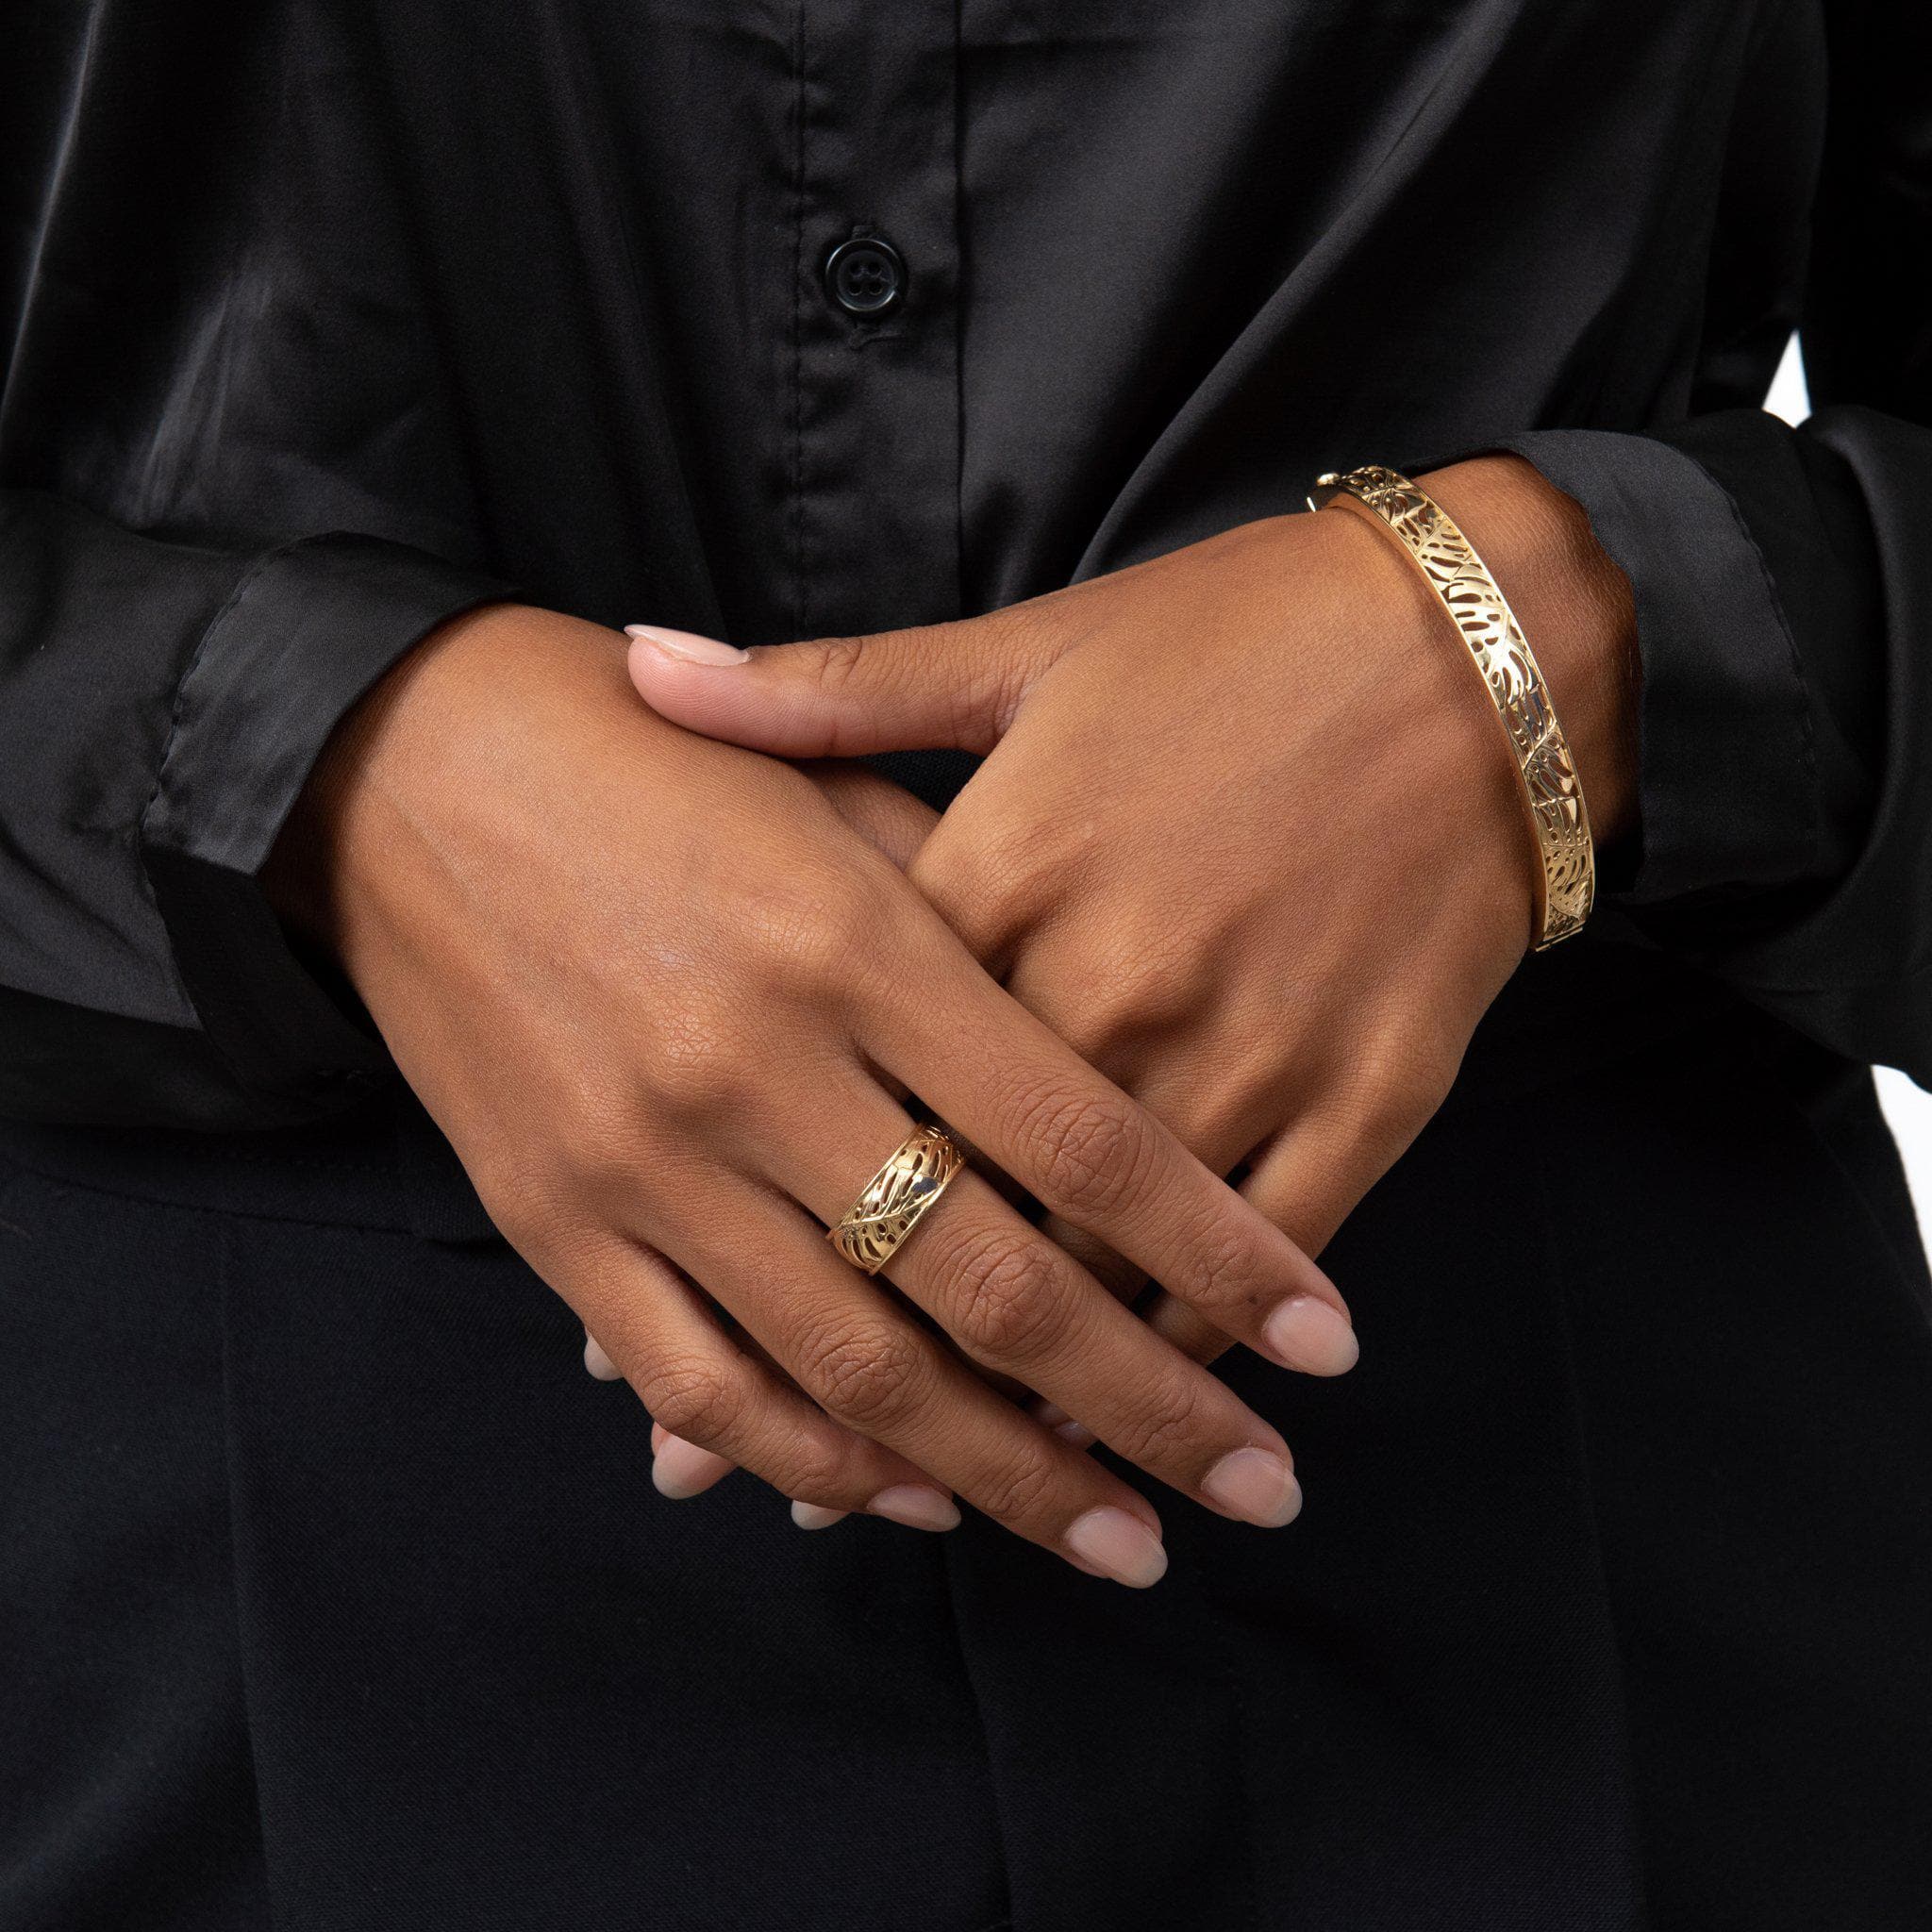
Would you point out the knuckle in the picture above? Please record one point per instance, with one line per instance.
(808, 930)
(868, 1378)
(1006, 1294)
(990, 887)
(691, 1396)
(1439, 1067)
(1032, 632)
(815, 1474)
(1092, 1152)
(1018, 1494)
(1227, 1269)
(835, 663)
(1031, 859)
(525, 1201)
(1399, 1081)
(695, 1064)
(1131, 989)
(1161, 1432)
(606, 1147)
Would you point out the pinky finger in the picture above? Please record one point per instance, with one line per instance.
(806, 1515)
(667, 1338)
(678, 1469)
(681, 1469)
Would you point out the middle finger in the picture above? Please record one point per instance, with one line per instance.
(1018, 1304)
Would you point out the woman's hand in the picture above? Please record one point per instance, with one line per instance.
(1248, 835)
(663, 998)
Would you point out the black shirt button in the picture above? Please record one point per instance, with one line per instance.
(865, 277)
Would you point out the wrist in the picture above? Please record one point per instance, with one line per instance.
(1576, 608)
(410, 739)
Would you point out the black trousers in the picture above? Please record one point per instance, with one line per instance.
(335, 1595)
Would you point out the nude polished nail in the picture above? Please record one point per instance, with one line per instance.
(687, 644)
(681, 1469)
(1257, 1485)
(1052, 1416)
(1120, 1546)
(916, 1506)
(816, 1516)
(1307, 1334)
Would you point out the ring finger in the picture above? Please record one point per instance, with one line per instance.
(870, 1366)
(1018, 1304)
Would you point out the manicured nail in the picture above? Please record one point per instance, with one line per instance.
(816, 1516)
(1305, 1334)
(1257, 1485)
(687, 644)
(1120, 1546)
(598, 1362)
(916, 1506)
(681, 1469)
(1052, 1416)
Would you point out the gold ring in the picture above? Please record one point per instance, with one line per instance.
(874, 1227)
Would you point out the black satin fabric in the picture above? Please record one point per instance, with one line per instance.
(329, 319)
(335, 1595)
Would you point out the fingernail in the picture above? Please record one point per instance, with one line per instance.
(1052, 1416)
(1257, 1485)
(916, 1506)
(1120, 1546)
(681, 1469)
(1305, 1334)
(598, 1362)
(687, 644)
(816, 1516)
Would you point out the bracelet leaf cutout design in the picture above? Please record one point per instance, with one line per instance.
(1481, 613)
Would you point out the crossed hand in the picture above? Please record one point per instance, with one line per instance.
(1243, 866)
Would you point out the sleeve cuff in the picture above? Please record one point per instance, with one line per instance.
(310, 626)
(1728, 796)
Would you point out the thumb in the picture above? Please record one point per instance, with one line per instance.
(941, 687)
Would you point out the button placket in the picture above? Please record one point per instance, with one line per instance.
(875, 471)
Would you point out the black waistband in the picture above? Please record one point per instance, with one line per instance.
(386, 1165)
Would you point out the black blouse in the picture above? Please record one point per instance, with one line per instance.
(330, 318)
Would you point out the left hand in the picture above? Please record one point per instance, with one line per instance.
(1248, 834)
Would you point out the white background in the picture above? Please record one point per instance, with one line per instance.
(1908, 1108)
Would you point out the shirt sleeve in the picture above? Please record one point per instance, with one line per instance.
(1782, 580)
(161, 703)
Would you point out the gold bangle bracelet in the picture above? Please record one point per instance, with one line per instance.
(1566, 880)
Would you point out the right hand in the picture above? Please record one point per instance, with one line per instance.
(662, 998)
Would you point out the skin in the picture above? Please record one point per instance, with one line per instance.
(666, 997)
(666, 994)
(1248, 836)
